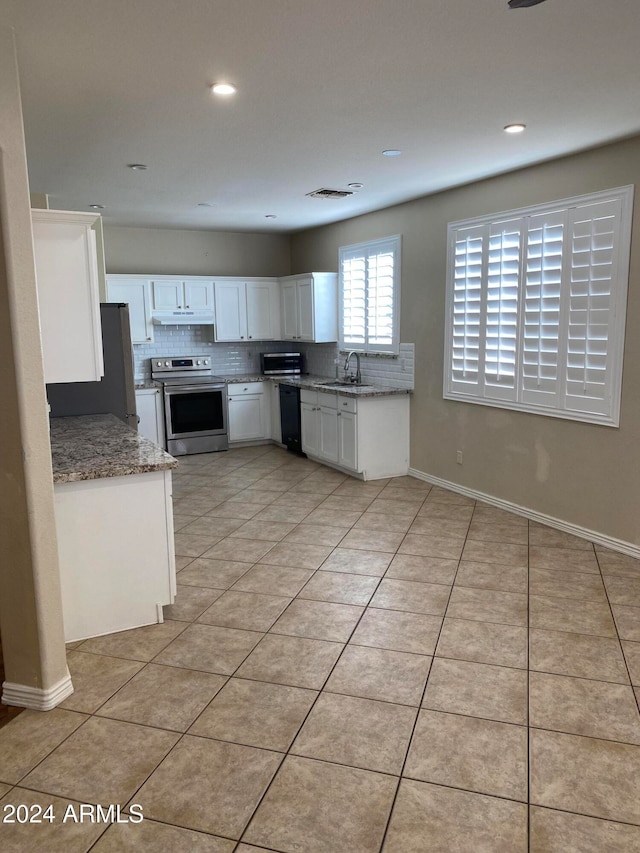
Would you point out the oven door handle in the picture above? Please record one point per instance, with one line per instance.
(189, 389)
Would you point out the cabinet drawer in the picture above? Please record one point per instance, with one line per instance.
(328, 400)
(239, 389)
(307, 396)
(347, 404)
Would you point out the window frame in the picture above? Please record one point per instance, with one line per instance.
(381, 245)
(557, 404)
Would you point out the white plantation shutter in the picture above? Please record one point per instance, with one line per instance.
(354, 299)
(536, 303)
(503, 296)
(467, 306)
(369, 284)
(542, 292)
(592, 279)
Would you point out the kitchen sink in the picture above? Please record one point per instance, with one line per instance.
(336, 382)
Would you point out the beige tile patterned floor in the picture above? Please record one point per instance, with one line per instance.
(350, 668)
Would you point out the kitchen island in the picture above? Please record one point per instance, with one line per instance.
(114, 519)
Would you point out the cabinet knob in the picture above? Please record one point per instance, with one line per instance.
(339, 414)
(186, 306)
(241, 337)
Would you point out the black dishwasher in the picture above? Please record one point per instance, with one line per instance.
(290, 418)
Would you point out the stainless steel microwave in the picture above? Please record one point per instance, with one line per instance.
(272, 363)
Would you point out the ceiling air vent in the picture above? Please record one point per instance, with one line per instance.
(325, 193)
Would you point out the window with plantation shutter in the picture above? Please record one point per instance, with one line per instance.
(369, 275)
(536, 304)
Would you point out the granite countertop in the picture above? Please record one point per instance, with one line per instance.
(147, 384)
(91, 447)
(320, 383)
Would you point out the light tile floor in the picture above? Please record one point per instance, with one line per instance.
(350, 667)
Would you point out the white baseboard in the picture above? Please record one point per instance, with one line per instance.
(532, 514)
(36, 698)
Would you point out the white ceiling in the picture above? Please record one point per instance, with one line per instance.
(323, 87)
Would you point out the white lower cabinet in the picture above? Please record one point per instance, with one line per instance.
(249, 411)
(105, 527)
(368, 436)
(276, 423)
(150, 415)
(347, 440)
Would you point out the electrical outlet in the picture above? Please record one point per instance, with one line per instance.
(459, 457)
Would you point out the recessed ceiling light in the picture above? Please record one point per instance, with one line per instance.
(355, 186)
(522, 4)
(392, 152)
(515, 128)
(223, 89)
(203, 204)
(270, 216)
(96, 206)
(137, 167)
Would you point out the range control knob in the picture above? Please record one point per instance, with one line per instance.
(166, 364)
(198, 361)
(158, 364)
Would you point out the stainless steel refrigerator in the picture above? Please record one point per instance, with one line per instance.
(115, 392)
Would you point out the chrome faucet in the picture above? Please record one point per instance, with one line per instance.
(358, 377)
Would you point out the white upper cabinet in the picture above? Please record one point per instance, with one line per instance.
(178, 294)
(247, 310)
(198, 295)
(68, 295)
(136, 294)
(310, 307)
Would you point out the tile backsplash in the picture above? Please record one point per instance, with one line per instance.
(241, 358)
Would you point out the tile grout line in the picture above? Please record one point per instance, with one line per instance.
(635, 694)
(321, 690)
(424, 690)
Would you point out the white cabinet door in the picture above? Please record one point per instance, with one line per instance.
(276, 423)
(246, 421)
(347, 440)
(68, 298)
(231, 312)
(198, 295)
(136, 295)
(309, 428)
(149, 410)
(328, 434)
(305, 309)
(167, 295)
(289, 311)
(263, 310)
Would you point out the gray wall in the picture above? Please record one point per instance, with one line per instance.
(580, 473)
(170, 251)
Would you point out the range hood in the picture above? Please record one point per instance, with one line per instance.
(182, 318)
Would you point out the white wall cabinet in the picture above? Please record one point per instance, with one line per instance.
(310, 307)
(150, 414)
(247, 310)
(368, 436)
(169, 294)
(136, 293)
(67, 277)
(249, 411)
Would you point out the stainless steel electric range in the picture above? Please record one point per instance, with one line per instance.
(195, 404)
